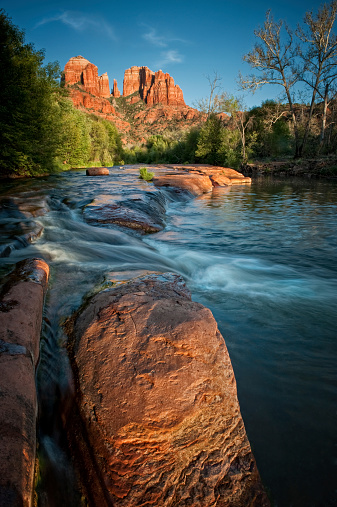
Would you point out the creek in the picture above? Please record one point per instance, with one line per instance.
(263, 258)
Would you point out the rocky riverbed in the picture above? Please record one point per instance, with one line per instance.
(155, 417)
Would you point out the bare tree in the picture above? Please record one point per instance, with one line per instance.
(216, 102)
(274, 58)
(318, 54)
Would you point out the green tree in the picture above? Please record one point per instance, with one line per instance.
(75, 147)
(29, 112)
(271, 128)
(217, 145)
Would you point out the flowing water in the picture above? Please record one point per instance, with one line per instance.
(263, 258)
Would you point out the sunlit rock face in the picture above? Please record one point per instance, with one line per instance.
(157, 419)
(21, 305)
(153, 87)
(198, 179)
(78, 70)
(196, 184)
(115, 92)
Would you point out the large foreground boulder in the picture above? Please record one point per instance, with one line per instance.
(21, 304)
(157, 419)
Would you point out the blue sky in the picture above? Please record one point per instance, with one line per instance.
(189, 39)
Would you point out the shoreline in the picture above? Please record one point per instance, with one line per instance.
(325, 168)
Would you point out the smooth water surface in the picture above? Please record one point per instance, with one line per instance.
(263, 258)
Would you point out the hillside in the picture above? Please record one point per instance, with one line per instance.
(151, 102)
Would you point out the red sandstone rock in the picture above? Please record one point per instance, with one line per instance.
(80, 71)
(197, 184)
(115, 92)
(21, 304)
(134, 100)
(97, 171)
(219, 180)
(103, 85)
(131, 82)
(157, 402)
(220, 176)
(153, 87)
(167, 113)
(84, 100)
(143, 214)
(124, 216)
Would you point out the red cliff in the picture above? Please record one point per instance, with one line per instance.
(80, 71)
(115, 92)
(164, 100)
(153, 87)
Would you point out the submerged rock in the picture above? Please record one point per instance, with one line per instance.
(21, 304)
(145, 214)
(157, 420)
(17, 225)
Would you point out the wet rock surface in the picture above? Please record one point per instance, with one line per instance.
(196, 184)
(199, 178)
(97, 171)
(145, 214)
(157, 419)
(18, 227)
(21, 304)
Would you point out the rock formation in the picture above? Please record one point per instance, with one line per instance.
(82, 99)
(196, 184)
(157, 420)
(21, 303)
(24, 229)
(200, 178)
(92, 91)
(144, 214)
(141, 86)
(115, 92)
(97, 171)
(80, 71)
(153, 87)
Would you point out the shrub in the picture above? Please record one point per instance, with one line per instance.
(144, 175)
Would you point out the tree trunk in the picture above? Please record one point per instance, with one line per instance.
(323, 127)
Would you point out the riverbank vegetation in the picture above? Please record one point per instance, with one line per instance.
(41, 131)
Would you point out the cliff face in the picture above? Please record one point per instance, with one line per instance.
(153, 87)
(80, 71)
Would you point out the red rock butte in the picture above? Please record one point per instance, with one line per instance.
(153, 87)
(90, 92)
(80, 71)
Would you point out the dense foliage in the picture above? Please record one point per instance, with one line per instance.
(40, 131)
